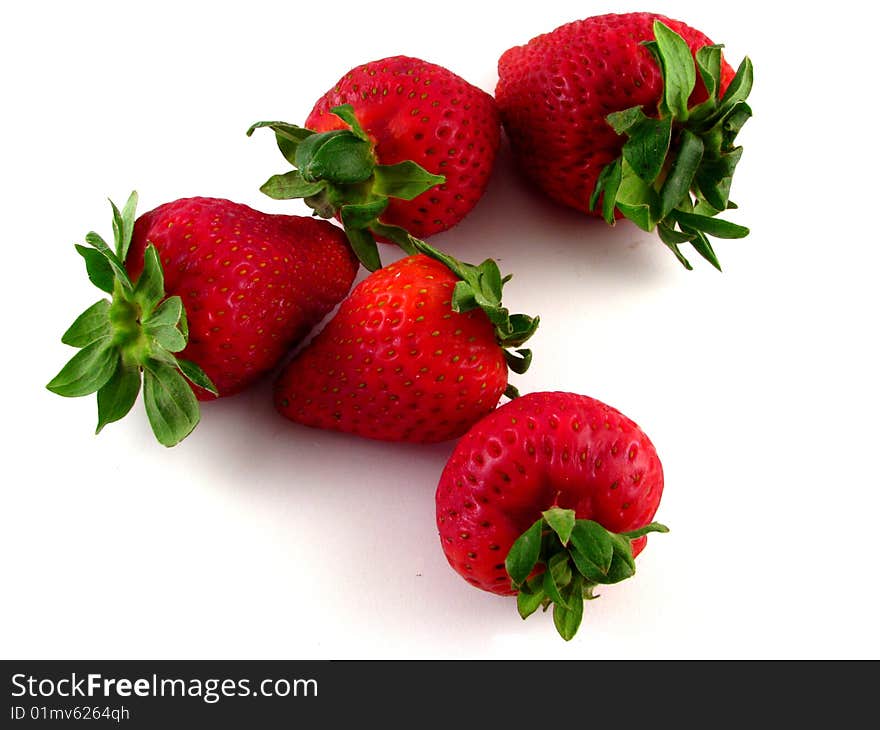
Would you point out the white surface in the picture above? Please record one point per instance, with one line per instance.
(259, 539)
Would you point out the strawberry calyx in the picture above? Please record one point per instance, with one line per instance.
(131, 339)
(676, 167)
(337, 174)
(572, 557)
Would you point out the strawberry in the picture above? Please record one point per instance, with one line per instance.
(415, 353)
(396, 145)
(612, 108)
(227, 287)
(547, 497)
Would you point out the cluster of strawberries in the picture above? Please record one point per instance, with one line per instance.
(545, 497)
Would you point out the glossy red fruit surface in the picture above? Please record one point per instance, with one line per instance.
(396, 363)
(252, 283)
(542, 450)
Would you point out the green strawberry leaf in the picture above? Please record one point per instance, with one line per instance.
(647, 147)
(733, 122)
(364, 246)
(740, 86)
(712, 226)
(87, 370)
(167, 337)
(522, 327)
(646, 530)
(709, 66)
(561, 521)
(551, 589)
(568, 614)
(702, 246)
(593, 543)
(623, 565)
(118, 230)
(405, 180)
(129, 216)
(560, 568)
(346, 113)
(637, 200)
(626, 119)
(123, 225)
(607, 185)
(587, 568)
(196, 375)
(291, 185)
(117, 396)
(93, 324)
(518, 361)
(169, 313)
(98, 268)
(339, 157)
(464, 298)
(524, 553)
(362, 215)
(150, 287)
(287, 137)
(709, 60)
(531, 597)
(714, 176)
(100, 245)
(672, 237)
(681, 177)
(677, 66)
(171, 406)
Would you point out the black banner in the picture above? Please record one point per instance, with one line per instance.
(257, 694)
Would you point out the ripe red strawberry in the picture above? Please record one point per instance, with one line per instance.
(229, 288)
(397, 144)
(410, 355)
(568, 97)
(548, 496)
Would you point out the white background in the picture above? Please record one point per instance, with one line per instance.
(256, 538)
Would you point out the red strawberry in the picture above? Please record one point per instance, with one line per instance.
(409, 356)
(567, 98)
(549, 479)
(229, 288)
(398, 144)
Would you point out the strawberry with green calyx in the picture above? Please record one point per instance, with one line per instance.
(208, 295)
(675, 171)
(137, 331)
(418, 352)
(337, 175)
(630, 115)
(397, 144)
(547, 497)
